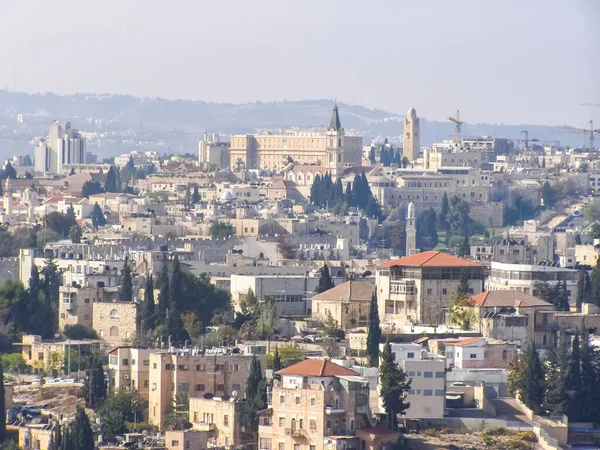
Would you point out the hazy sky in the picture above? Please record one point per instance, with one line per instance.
(503, 61)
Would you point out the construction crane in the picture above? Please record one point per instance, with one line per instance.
(456, 120)
(591, 131)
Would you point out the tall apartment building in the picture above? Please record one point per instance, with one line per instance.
(316, 405)
(331, 148)
(64, 145)
(418, 288)
(427, 371)
(196, 375)
(213, 151)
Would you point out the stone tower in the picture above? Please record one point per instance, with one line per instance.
(411, 230)
(7, 198)
(334, 162)
(411, 142)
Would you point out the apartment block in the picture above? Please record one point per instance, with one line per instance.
(197, 375)
(221, 419)
(316, 405)
(129, 368)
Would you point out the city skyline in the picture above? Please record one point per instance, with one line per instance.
(426, 57)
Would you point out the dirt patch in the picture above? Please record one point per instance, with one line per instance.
(60, 399)
(446, 440)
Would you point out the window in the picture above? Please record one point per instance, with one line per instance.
(87, 300)
(314, 447)
(312, 425)
(427, 392)
(86, 316)
(264, 444)
(200, 367)
(298, 401)
(282, 422)
(444, 291)
(472, 356)
(146, 362)
(428, 374)
(439, 392)
(296, 446)
(313, 401)
(125, 362)
(282, 399)
(200, 388)
(183, 387)
(195, 416)
(220, 367)
(281, 446)
(220, 387)
(174, 443)
(235, 387)
(410, 355)
(439, 374)
(504, 355)
(226, 420)
(145, 383)
(429, 291)
(411, 373)
(114, 314)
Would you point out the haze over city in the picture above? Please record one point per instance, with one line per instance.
(498, 62)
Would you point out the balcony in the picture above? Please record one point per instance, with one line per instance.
(201, 426)
(329, 410)
(295, 432)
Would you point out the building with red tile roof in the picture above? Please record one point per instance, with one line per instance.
(317, 368)
(417, 289)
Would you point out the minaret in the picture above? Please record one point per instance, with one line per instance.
(7, 198)
(411, 230)
(334, 149)
(411, 142)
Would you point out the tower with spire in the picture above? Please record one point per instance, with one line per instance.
(334, 150)
(411, 230)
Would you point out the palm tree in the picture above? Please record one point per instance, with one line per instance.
(176, 415)
(75, 234)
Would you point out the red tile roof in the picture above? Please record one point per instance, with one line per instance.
(317, 368)
(431, 259)
(506, 298)
(468, 341)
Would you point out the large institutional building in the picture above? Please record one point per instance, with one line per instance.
(330, 148)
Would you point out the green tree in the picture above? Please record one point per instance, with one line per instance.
(373, 210)
(35, 284)
(9, 171)
(465, 248)
(94, 388)
(442, 218)
(81, 431)
(75, 234)
(98, 219)
(557, 366)
(59, 223)
(176, 415)
(195, 195)
(119, 407)
(249, 304)
(128, 171)
(256, 395)
(549, 195)
(394, 386)
(533, 387)
(148, 312)
(266, 318)
(276, 360)
(458, 217)
(589, 400)
(374, 333)
(126, 292)
(427, 236)
(163, 295)
(2, 406)
(111, 184)
(52, 282)
(325, 281)
(583, 288)
(90, 188)
(332, 327)
(221, 230)
(372, 155)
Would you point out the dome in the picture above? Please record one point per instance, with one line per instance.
(227, 196)
(412, 113)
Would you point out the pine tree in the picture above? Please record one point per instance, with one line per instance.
(276, 360)
(589, 400)
(127, 283)
(35, 284)
(71, 214)
(50, 288)
(533, 380)
(2, 407)
(394, 386)
(557, 366)
(98, 219)
(256, 395)
(463, 289)
(148, 313)
(94, 382)
(374, 333)
(562, 298)
(163, 296)
(442, 218)
(325, 281)
(81, 431)
(111, 182)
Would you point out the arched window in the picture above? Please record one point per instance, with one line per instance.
(114, 314)
(114, 332)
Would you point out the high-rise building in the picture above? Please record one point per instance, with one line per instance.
(411, 142)
(213, 151)
(64, 145)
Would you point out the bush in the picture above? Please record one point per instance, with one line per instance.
(80, 332)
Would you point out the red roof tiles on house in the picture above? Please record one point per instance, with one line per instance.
(506, 298)
(431, 259)
(317, 368)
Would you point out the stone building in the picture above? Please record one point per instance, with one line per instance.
(331, 148)
(221, 418)
(197, 375)
(348, 303)
(411, 140)
(129, 368)
(115, 322)
(315, 405)
(417, 289)
(475, 352)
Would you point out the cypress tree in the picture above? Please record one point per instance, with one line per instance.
(195, 195)
(276, 360)
(465, 248)
(98, 219)
(583, 288)
(325, 281)
(95, 382)
(372, 155)
(394, 386)
(355, 192)
(374, 333)
(176, 286)
(442, 218)
(2, 407)
(163, 296)
(589, 400)
(595, 284)
(348, 195)
(81, 431)
(127, 283)
(557, 366)
(573, 383)
(533, 385)
(111, 182)
(35, 284)
(149, 304)
(256, 394)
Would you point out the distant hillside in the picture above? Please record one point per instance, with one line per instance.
(179, 124)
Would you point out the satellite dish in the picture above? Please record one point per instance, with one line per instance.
(225, 397)
(208, 396)
(234, 393)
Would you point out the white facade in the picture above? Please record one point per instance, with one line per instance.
(64, 145)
